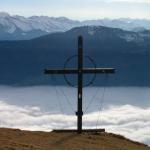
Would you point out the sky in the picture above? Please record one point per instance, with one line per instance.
(79, 9)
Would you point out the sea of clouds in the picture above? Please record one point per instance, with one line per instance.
(125, 111)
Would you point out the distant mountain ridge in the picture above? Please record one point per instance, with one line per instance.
(22, 62)
(21, 28)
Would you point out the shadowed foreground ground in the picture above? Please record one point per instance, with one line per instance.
(14, 139)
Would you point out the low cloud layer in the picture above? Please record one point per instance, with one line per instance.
(130, 121)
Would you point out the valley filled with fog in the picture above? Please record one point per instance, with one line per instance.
(122, 110)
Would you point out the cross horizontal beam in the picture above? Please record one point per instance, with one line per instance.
(75, 71)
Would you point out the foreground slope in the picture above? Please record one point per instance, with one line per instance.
(14, 139)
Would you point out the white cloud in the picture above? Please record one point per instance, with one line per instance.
(130, 121)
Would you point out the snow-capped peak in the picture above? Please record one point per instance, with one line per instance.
(4, 14)
(18, 24)
(42, 23)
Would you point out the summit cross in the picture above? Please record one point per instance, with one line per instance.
(80, 70)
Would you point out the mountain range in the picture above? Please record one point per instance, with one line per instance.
(22, 28)
(23, 62)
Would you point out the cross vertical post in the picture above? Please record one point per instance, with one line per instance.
(80, 80)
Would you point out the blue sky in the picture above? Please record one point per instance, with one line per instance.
(79, 9)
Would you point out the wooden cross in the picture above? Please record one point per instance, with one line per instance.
(80, 71)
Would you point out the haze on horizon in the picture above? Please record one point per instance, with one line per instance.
(79, 9)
